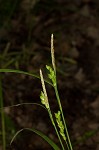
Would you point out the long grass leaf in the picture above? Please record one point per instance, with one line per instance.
(23, 72)
(20, 104)
(46, 138)
(2, 116)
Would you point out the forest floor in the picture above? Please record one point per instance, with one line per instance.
(75, 26)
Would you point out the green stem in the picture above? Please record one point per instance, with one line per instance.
(52, 120)
(2, 116)
(69, 145)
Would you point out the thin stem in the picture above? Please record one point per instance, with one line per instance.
(2, 116)
(52, 120)
(69, 145)
(44, 101)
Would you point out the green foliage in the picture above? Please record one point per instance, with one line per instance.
(61, 130)
(47, 139)
(44, 100)
(5, 60)
(10, 130)
(86, 136)
(2, 116)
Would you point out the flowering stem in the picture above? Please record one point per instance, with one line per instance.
(69, 145)
(52, 120)
(44, 101)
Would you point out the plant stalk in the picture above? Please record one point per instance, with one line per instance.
(52, 120)
(69, 145)
(2, 116)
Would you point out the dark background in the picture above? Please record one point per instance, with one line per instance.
(25, 30)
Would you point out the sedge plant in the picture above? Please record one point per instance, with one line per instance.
(61, 131)
(57, 119)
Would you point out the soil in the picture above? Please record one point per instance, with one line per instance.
(75, 25)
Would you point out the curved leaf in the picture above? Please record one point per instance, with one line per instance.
(20, 104)
(23, 72)
(46, 138)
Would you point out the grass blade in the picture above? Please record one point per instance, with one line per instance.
(23, 72)
(47, 139)
(2, 116)
(21, 104)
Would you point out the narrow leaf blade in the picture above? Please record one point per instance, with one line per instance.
(46, 138)
(23, 72)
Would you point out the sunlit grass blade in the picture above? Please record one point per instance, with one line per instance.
(23, 72)
(46, 138)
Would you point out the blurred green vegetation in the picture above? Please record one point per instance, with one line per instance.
(7, 8)
(10, 129)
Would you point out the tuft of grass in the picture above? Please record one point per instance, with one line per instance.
(61, 131)
(57, 119)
